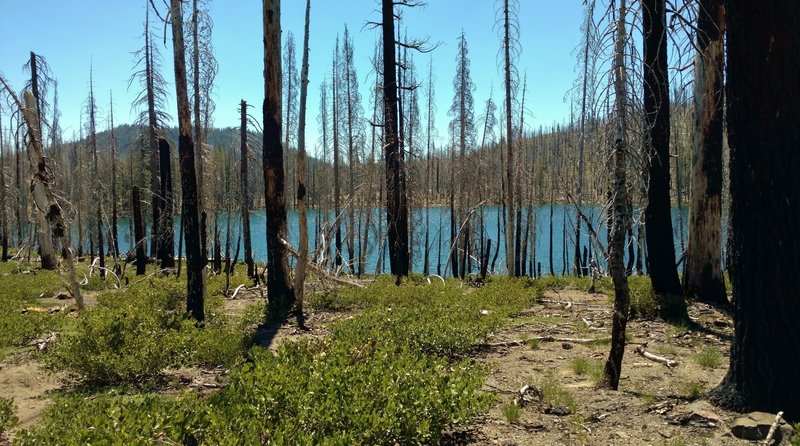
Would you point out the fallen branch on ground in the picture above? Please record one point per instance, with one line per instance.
(518, 342)
(773, 429)
(642, 350)
(318, 270)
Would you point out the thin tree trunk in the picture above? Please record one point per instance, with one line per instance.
(195, 260)
(509, 202)
(300, 270)
(166, 245)
(152, 137)
(336, 157)
(245, 192)
(114, 198)
(613, 366)
(139, 237)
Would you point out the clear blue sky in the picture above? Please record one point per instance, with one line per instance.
(73, 34)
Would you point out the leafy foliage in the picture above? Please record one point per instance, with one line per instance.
(20, 286)
(134, 335)
(8, 418)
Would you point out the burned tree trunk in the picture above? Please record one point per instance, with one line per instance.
(138, 232)
(248, 246)
(658, 219)
(44, 198)
(166, 244)
(702, 277)
(3, 195)
(613, 367)
(279, 288)
(396, 202)
(509, 202)
(195, 261)
(300, 270)
(762, 114)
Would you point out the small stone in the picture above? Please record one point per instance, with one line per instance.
(755, 426)
(566, 346)
(559, 411)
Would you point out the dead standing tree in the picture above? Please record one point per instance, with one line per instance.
(195, 261)
(302, 258)
(245, 192)
(762, 94)
(152, 100)
(702, 277)
(45, 203)
(613, 366)
(658, 219)
(396, 193)
(279, 287)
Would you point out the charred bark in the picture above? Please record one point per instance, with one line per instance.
(762, 114)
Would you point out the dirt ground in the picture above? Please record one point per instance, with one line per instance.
(652, 406)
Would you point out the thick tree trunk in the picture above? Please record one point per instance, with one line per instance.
(763, 134)
(138, 231)
(279, 288)
(396, 203)
(245, 197)
(195, 260)
(702, 276)
(658, 219)
(613, 366)
(166, 243)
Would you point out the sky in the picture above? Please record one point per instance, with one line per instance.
(76, 35)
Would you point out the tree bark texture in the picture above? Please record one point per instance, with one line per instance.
(396, 203)
(763, 91)
(195, 260)
(279, 287)
(166, 244)
(702, 276)
(138, 231)
(613, 366)
(245, 198)
(658, 219)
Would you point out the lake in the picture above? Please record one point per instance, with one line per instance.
(439, 229)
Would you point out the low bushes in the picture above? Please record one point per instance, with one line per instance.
(134, 335)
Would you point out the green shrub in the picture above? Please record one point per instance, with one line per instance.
(692, 390)
(118, 420)
(315, 392)
(8, 417)
(554, 395)
(583, 366)
(511, 412)
(20, 287)
(110, 346)
(644, 303)
(709, 357)
(311, 392)
(134, 335)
